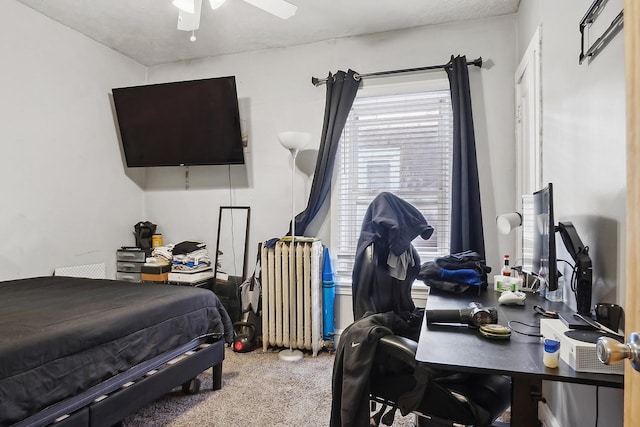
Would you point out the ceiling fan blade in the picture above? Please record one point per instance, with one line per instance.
(215, 4)
(280, 8)
(190, 21)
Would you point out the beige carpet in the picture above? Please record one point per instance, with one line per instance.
(258, 390)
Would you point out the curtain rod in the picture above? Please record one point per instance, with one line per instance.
(477, 62)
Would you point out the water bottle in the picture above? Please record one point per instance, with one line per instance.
(543, 277)
(558, 294)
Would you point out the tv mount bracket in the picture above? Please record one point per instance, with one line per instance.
(589, 18)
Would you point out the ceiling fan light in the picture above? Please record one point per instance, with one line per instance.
(216, 3)
(190, 21)
(280, 8)
(185, 5)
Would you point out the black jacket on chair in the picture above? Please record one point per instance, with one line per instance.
(382, 304)
(375, 359)
(389, 226)
(354, 360)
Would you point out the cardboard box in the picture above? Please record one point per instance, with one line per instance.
(156, 278)
(150, 268)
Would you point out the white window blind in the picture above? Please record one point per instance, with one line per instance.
(399, 143)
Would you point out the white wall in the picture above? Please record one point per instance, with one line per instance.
(584, 156)
(65, 198)
(276, 94)
(75, 179)
(68, 200)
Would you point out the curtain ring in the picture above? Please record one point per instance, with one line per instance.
(357, 77)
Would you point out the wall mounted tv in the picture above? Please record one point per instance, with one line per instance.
(186, 123)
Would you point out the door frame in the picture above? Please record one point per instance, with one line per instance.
(632, 301)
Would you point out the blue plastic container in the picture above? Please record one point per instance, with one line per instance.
(328, 297)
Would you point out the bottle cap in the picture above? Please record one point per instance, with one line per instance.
(551, 346)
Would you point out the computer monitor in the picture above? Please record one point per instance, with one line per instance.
(544, 239)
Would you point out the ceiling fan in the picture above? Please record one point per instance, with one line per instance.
(189, 11)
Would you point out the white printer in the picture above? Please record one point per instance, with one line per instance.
(581, 356)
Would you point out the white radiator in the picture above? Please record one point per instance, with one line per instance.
(304, 310)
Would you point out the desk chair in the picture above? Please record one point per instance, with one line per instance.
(437, 397)
(375, 358)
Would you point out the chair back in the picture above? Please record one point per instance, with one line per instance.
(375, 290)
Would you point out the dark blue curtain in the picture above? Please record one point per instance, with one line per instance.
(341, 91)
(466, 212)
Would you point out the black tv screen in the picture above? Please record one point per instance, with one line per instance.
(186, 123)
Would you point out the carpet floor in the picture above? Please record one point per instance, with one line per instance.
(258, 389)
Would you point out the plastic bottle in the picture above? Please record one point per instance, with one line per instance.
(558, 294)
(506, 270)
(551, 355)
(543, 277)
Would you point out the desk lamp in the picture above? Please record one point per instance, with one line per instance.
(508, 222)
(294, 142)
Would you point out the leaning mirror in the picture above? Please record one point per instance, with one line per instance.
(232, 243)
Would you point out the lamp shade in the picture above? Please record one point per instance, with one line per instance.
(508, 222)
(294, 140)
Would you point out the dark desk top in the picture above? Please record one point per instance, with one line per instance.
(462, 348)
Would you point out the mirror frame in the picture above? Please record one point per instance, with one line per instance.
(246, 239)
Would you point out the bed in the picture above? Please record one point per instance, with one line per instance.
(89, 352)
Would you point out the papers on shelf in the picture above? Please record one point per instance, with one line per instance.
(191, 277)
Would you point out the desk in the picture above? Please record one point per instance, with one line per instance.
(461, 348)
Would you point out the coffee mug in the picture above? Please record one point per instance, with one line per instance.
(609, 315)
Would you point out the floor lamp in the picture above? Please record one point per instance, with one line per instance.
(294, 142)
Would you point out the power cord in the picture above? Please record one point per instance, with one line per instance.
(597, 404)
(538, 309)
(510, 322)
(574, 280)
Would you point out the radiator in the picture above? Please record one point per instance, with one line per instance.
(304, 310)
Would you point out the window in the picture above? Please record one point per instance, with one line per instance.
(399, 142)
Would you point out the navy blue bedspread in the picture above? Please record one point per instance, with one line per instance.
(62, 335)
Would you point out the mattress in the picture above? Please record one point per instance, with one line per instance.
(61, 335)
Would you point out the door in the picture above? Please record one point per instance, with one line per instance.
(528, 127)
(632, 300)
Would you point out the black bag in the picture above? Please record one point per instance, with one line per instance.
(250, 298)
(143, 232)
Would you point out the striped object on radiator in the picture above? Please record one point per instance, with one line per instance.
(304, 310)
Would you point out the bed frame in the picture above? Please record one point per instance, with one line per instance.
(106, 404)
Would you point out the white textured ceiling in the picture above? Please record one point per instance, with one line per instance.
(146, 30)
